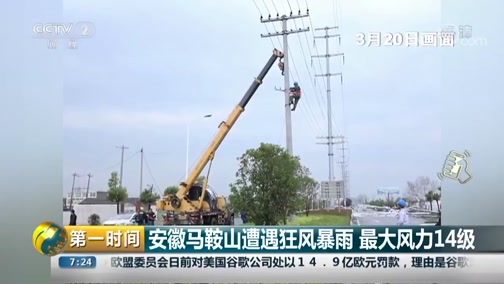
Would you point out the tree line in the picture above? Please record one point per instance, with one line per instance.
(418, 193)
(119, 194)
(270, 185)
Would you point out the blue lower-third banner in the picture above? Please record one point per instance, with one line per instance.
(278, 268)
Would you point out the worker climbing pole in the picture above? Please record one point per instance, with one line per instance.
(294, 91)
(295, 95)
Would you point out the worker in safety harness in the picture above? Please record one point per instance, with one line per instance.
(295, 95)
(402, 217)
(281, 65)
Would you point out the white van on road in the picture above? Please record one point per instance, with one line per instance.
(121, 220)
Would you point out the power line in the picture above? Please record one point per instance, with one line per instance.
(314, 42)
(305, 106)
(313, 82)
(308, 106)
(311, 60)
(273, 2)
(141, 169)
(315, 46)
(150, 173)
(267, 30)
(344, 167)
(288, 3)
(337, 18)
(88, 183)
(285, 33)
(328, 75)
(122, 163)
(308, 69)
(117, 164)
(305, 95)
(75, 175)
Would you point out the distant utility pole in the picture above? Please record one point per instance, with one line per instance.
(122, 163)
(284, 33)
(330, 138)
(75, 175)
(330, 143)
(344, 172)
(88, 182)
(141, 170)
(388, 191)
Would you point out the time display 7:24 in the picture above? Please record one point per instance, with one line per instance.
(77, 262)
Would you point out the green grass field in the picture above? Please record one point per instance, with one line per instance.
(320, 220)
(317, 220)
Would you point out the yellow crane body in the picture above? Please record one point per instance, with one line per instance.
(196, 203)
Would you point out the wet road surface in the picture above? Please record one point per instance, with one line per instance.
(377, 220)
(371, 219)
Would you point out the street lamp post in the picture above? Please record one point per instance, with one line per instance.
(187, 143)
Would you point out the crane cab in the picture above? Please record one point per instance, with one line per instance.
(213, 209)
(209, 201)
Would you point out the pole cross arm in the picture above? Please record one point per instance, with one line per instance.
(329, 74)
(328, 55)
(285, 32)
(283, 18)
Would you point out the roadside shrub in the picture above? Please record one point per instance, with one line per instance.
(94, 219)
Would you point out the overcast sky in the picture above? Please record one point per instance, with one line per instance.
(153, 66)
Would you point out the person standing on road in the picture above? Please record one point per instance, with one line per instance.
(141, 217)
(244, 217)
(73, 218)
(152, 217)
(402, 217)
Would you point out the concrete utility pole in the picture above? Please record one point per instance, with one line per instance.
(122, 163)
(75, 175)
(141, 170)
(330, 138)
(88, 182)
(284, 33)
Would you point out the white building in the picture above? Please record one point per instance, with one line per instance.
(79, 196)
(331, 192)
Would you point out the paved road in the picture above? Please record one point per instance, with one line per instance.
(373, 218)
(370, 219)
(376, 218)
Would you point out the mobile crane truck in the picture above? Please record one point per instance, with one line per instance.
(194, 203)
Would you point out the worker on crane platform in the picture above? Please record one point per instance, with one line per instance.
(281, 65)
(295, 95)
